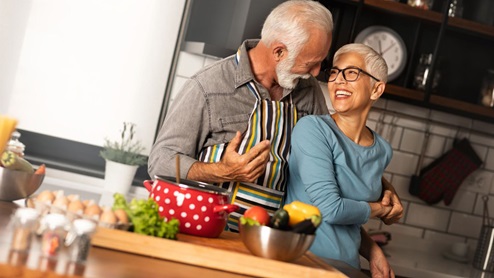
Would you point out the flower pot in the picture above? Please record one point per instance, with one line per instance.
(119, 177)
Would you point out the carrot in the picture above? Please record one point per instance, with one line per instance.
(41, 170)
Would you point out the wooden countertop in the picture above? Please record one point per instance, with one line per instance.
(124, 254)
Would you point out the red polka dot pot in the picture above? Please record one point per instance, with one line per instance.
(201, 208)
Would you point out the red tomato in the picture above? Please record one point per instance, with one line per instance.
(259, 214)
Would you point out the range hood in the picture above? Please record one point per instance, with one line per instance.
(218, 27)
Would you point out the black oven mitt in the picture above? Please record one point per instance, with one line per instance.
(442, 178)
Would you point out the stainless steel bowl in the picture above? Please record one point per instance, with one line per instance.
(270, 243)
(16, 185)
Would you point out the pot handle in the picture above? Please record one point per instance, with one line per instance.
(227, 208)
(148, 184)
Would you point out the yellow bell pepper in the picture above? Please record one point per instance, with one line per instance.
(299, 211)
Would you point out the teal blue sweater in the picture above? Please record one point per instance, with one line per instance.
(338, 176)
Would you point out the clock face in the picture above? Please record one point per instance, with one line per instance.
(387, 43)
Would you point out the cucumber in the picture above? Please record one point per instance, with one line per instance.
(14, 162)
(280, 219)
(308, 226)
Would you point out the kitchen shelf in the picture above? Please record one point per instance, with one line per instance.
(404, 92)
(461, 51)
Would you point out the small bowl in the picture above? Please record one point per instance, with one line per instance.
(266, 242)
(15, 185)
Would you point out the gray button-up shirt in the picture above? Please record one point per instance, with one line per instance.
(213, 105)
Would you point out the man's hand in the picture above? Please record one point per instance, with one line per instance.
(233, 166)
(247, 167)
(390, 198)
(378, 264)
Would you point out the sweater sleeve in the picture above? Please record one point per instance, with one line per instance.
(312, 167)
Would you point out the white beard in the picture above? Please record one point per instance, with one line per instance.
(286, 79)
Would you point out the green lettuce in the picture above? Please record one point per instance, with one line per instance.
(145, 217)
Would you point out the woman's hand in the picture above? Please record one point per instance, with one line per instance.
(390, 197)
(379, 210)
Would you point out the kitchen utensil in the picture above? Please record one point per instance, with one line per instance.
(16, 185)
(201, 208)
(177, 169)
(484, 254)
(421, 4)
(415, 179)
(487, 91)
(267, 242)
(7, 126)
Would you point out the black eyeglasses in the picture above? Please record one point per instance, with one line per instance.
(350, 74)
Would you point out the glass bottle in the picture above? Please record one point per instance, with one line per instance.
(14, 145)
(421, 4)
(24, 222)
(422, 73)
(455, 8)
(52, 240)
(487, 90)
(79, 241)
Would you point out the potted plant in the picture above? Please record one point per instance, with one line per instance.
(122, 157)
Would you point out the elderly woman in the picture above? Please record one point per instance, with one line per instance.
(337, 162)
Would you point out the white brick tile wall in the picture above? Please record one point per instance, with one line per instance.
(435, 146)
(484, 127)
(443, 237)
(451, 119)
(479, 181)
(465, 225)
(489, 160)
(412, 141)
(463, 201)
(402, 163)
(481, 140)
(403, 230)
(427, 217)
(479, 206)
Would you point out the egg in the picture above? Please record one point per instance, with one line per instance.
(88, 203)
(76, 206)
(107, 216)
(73, 197)
(46, 197)
(122, 216)
(61, 202)
(93, 211)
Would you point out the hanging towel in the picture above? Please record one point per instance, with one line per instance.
(442, 178)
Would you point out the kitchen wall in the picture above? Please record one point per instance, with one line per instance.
(404, 127)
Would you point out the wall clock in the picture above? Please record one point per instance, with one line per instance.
(389, 44)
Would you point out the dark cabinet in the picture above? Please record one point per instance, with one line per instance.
(462, 49)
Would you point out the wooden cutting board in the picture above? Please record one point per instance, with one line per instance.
(225, 253)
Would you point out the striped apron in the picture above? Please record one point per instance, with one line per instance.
(269, 120)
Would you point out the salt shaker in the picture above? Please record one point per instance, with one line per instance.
(24, 223)
(80, 243)
(52, 240)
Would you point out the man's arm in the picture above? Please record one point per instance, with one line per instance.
(378, 264)
(390, 197)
